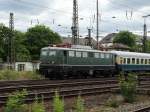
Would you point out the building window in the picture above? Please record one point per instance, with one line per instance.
(21, 67)
(96, 55)
(52, 53)
(78, 54)
(84, 54)
(71, 53)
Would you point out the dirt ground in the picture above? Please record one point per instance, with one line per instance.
(101, 103)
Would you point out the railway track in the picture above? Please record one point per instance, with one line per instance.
(144, 109)
(65, 88)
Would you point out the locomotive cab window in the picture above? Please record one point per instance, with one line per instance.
(71, 53)
(44, 53)
(52, 53)
(78, 54)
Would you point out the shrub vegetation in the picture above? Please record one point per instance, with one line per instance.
(15, 102)
(128, 87)
(15, 75)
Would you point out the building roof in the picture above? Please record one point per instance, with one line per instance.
(82, 41)
(109, 38)
(118, 46)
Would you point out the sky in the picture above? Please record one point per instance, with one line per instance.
(114, 15)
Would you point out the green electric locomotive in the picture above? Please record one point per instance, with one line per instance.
(77, 61)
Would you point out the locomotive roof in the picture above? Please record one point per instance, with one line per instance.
(69, 49)
(131, 54)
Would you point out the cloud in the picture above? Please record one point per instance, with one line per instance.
(57, 14)
(24, 6)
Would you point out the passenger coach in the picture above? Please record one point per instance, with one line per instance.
(75, 62)
(132, 61)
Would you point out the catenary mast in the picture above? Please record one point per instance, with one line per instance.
(75, 24)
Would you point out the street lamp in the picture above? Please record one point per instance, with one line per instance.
(145, 34)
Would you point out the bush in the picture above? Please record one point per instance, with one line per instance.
(15, 102)
(14, 75)
(8, 75)
(128, 87)
(30, 75)
(113, 102)
(38, 106)
(79, 104)
(58, 104)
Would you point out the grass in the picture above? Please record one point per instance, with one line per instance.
(15, 75)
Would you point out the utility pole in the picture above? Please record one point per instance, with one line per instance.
(97, 25)
(75, 24)
(11, 48)
(89, 37)
(145, 36)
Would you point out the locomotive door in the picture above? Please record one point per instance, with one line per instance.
(64, 57)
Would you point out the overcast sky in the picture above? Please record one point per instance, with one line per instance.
(115, 15)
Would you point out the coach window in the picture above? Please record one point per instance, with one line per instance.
(142, 61)
(52, 53)
(149, 61)
(78, 54)
(84, 54)
(133, 60)
(128, 61)
(146, 61)
(124, 60)
(137, 61)
(71, 53)
(121, 60)
(96, 55)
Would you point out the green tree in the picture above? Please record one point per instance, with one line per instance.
(126, 38)
(148, 46)
(4, 36)
(38, 37)
(22, 53)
